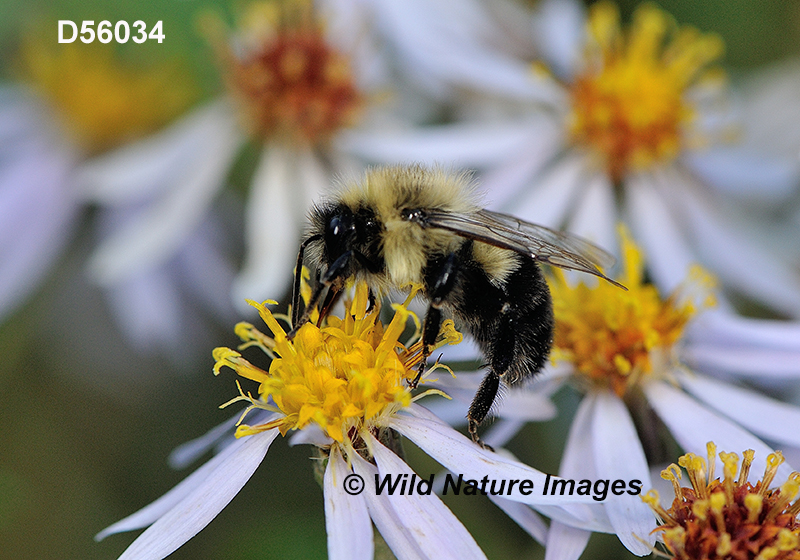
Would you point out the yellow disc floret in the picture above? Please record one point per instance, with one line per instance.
(614, 337)
(103, 98)
(292, 83)
(729, 519)
(628, 103)
(343, 376)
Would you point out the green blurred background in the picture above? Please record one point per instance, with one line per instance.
(86, 424)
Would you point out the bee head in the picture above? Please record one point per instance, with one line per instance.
(340, 232)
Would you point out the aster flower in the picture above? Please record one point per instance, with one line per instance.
(732, 517)
(343, 388)
(622, 131)
(49, 127)
(635, 352)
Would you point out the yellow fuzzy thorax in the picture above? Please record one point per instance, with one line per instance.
(615, 337)
(343, 376)
(729, 518)
(388, 190)
(628, 103)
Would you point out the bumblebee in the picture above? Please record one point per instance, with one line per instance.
(404, 225)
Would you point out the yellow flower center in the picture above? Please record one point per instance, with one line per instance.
(291, 82)
(730, 518)
(344, 376)
(629, 104)
(103, 99)
(614, 337)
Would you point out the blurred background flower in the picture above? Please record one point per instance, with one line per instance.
(88, 422)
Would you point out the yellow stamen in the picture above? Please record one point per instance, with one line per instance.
(615, 337)
(730, 519)
(292, 84)
(629, 104)
(103, 99)
(343, 376)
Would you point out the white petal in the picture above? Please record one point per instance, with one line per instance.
(505, 183)
(37, 214)
(159, 230)
(315, 180)
(145, 169)
(460, 455)
(501, 432)
(182, 512)
(466, 350)
(560, 32)
(188, 452)
(435, 529)
(148, 309)
(728, 329)
(311, 435)
(693, 425)
(669, 257)
(595, 215)
(525, 517)
(740, 171)
(775, 420)
(431, 46)
(620, 456)
(555, 192)
(275, 214)
(205, 270)
(565, 542)
(462, 144)
(347, 519)
(517, 403)
(389, 524)
(737, 260)
(742, 361)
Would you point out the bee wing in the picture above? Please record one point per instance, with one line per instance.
(540, 243)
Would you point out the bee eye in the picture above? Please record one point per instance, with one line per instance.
(412, 214)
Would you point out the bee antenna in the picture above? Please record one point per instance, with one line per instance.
(298, 274)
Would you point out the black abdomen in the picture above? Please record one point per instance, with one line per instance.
(512, 322)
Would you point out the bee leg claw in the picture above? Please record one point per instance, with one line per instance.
(473, 432)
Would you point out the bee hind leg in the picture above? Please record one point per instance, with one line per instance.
(501, 357)
(481, 405)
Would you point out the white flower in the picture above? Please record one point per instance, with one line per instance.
(633, 353)
(343, 388)
(37, 209)
(77, 101)
(622, 132)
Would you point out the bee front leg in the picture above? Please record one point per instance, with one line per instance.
(440, 280)
(430, 330)
(335, 274)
